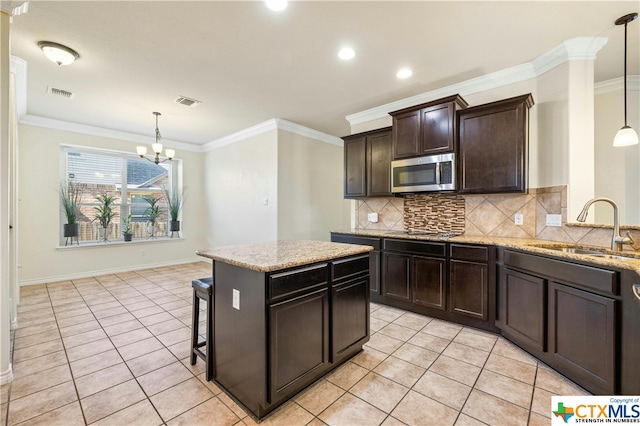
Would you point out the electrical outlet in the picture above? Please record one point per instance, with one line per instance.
(554, 220)
(518, 219)
(372, 217)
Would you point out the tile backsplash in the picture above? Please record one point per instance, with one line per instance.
(484, 215)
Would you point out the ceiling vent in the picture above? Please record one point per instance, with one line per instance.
(60, 92)
(183, 100)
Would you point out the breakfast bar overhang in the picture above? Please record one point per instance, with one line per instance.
(285, 314)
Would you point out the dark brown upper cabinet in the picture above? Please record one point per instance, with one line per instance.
(367, 164)
(493, 146)
(426, 129)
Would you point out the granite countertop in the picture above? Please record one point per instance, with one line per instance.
(273, 256)
(531, 245)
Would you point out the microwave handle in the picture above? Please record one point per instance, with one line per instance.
(438, 179)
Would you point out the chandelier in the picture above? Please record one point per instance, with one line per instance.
(157, 147)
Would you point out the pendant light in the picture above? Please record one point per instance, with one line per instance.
(157, 147)
(626, 135)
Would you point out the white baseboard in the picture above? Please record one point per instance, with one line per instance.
(96, 273)
(6, 376)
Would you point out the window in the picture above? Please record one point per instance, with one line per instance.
(127, 178)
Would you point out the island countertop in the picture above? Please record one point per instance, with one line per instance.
(276, 255)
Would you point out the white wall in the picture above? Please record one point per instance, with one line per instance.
(310, 181)
(39, 215)
(238, 179)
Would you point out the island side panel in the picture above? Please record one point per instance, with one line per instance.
(240, 334)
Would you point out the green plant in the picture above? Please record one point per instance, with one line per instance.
(153, 211)
(126, 225)
(174, 201)
(70, 194)
(104, 211)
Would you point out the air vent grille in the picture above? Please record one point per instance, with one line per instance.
(60, 92)
(183, 100)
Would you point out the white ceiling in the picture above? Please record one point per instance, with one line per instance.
(248, 64)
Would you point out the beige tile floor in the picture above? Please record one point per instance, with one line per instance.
(114, 350)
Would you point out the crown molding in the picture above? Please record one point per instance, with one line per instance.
(270, 125)
(18, 67)
(617, 85)
(50, 123)
(578, 48)
(14, 8)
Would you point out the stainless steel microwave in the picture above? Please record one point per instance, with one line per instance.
(422, 174)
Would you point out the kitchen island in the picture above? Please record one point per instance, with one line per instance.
(285, 314)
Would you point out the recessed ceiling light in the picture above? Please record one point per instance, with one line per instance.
(404, 73)
(276, 5)
(346, 53)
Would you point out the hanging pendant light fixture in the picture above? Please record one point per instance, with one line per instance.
(157, 147)
(626, 135)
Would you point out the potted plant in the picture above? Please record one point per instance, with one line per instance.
(174, 201)
(104, 214)
(70, 194)
(152, 213)
(127, 233)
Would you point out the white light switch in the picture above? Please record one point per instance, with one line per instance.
(554, 220)
(372, 217)
(518, 219)
(236, 299)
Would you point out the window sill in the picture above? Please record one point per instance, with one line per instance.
(112, 243)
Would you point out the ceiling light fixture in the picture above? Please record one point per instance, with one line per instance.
(58, 53)
(276, 5)
(404, 73)
(346, 53)
(626, 135)
(157, 147)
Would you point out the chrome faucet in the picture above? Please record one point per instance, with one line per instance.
(617, 240)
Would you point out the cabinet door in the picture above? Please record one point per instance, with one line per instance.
(395, 275)
(355, 179)
(349, 315)
(298, 342)
(522, 308)
(406, 134)
(379, 164)
(437, 129)
(493, 146)
(429, 280)
(582, 337)
(374, 272)
(468, 289)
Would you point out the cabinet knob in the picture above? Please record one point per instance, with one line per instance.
(636, 291)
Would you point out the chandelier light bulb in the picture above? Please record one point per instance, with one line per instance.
(626, 137)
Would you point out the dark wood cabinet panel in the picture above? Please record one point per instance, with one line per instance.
(374, 272)
(582, 336)
(396, 276)
(522, 301)
(367, 164)
(426, 129)
(379, 164)
(468, 289)
(375, 257)
(493, 146)
(429, 282)
(355, 168)
(350, 315)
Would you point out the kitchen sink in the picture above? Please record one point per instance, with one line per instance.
(596, 252)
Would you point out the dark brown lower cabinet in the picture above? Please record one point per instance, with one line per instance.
(522, 309)
(469, 289)
(396, 276)
(582, 336)
(299, 341)
(429, 282)
(350, 316)
(375, 259)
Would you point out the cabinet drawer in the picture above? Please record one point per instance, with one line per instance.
(352, 239)
(466, 252)
(349, 267)
(588, 277)
(286, 283)
(406, 246)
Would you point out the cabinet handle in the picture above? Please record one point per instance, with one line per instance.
(636, 291)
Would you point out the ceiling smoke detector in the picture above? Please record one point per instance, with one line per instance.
(60, 92)
(183, 100)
